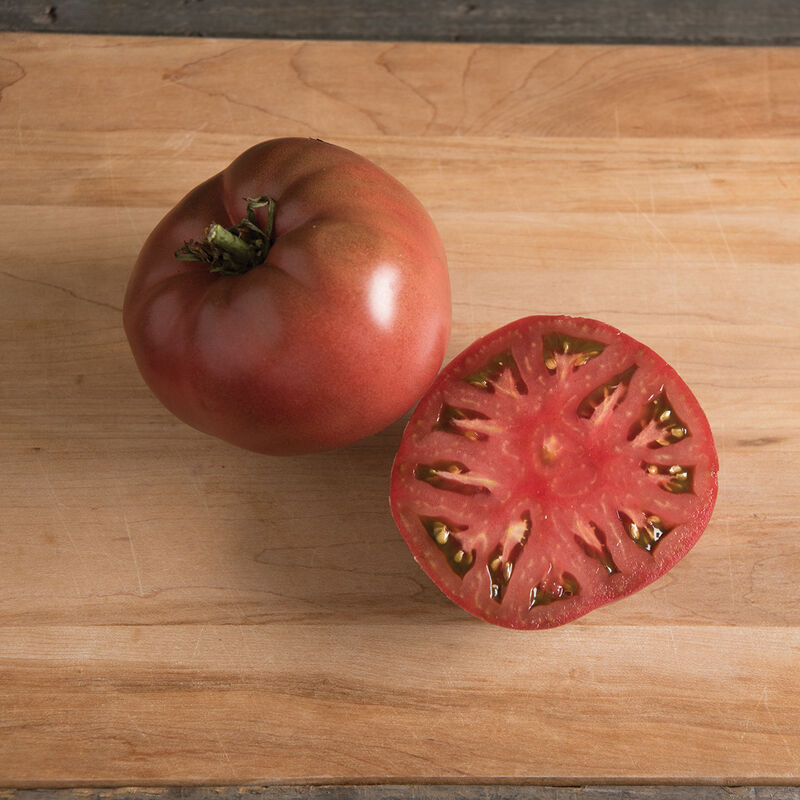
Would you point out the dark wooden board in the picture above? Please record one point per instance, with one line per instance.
(731, 22)
(403, 792)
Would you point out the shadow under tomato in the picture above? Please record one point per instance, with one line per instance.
(318, 538)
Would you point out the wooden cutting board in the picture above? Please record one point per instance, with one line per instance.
(174, 610)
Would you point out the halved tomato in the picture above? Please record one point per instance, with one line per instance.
(554, 466)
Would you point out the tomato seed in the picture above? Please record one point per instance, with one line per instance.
(444, 533)
(488, 377)
(557, 345)
(616, 387)
(451, 476)
(457, 421)
(566, 586)
(659, 419)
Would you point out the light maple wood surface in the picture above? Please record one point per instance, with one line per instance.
(174, 610)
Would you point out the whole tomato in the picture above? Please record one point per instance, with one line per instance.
(315, 312)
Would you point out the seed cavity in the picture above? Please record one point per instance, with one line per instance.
(607, 396)
(452, 476)
(599, 551)
(648, 532)
(658, 424)
(500, 568)
(445, 535)
(673, 478)
(568, 352)
(489, 377)
(464, 422)
(548, 592)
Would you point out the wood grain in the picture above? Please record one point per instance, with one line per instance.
(175, 611)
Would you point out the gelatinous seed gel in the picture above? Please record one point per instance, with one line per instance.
(554, 466)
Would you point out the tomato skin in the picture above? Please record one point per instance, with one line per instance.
(334, 337)
(564, 481)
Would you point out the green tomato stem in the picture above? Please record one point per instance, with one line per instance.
(235, 250)
(230, 242)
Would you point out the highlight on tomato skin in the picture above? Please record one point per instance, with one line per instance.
(280, 293)
(554, 466)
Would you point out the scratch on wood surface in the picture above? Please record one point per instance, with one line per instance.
(734, 589)
(194, 474)
(724, 238)
(648, 218)
(117, 487)
(623, 219)
(62, 519)
(133, 554)
(671, 629)
(107, 166)
(223, 751)
(674, 284)
(181, 141)
(722, 231)
(776, 726)
(198, 639)
(134, 723)
(748, 128)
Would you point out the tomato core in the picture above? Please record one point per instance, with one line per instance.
(562, 465)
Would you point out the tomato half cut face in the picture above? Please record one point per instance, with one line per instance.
(554, 466)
